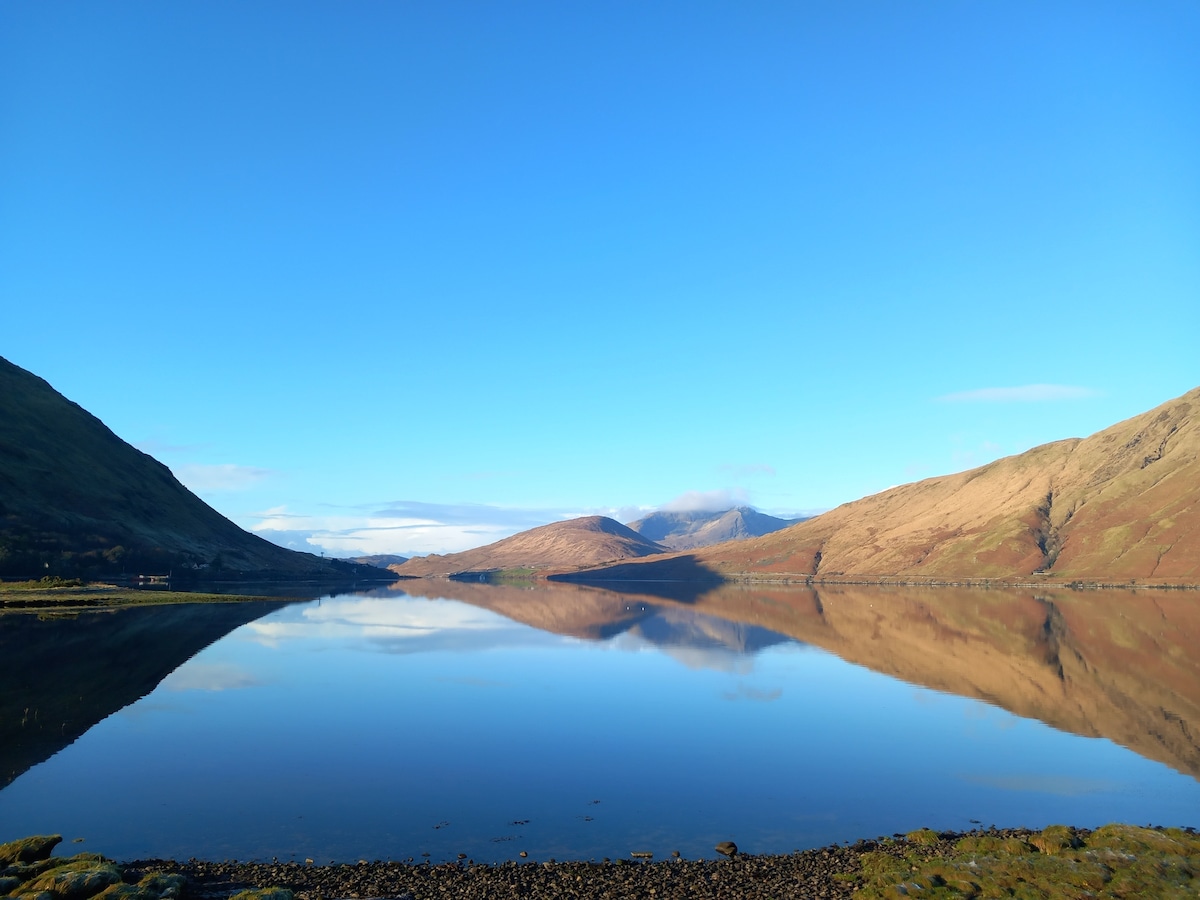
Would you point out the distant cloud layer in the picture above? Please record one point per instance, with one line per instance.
(225, 477)
(407, 527)
(1028, 393)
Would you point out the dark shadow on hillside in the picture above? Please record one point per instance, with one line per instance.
(679, 578)
(61, 675)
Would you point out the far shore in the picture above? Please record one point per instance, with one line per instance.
(66, 596)
(606, 577)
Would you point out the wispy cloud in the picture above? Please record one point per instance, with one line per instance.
(200, 676)
(405, 527)
(396, 623)
(415, 511)
(202, 478)
(1027, 393)
(705, 501)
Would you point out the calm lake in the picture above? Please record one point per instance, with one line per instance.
(569, 722)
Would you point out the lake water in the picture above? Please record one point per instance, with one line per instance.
(392, 725)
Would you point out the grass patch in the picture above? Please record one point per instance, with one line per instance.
(1114, 862)
(70, 595)
(49, 583)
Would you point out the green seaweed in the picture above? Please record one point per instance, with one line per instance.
(1117, 862)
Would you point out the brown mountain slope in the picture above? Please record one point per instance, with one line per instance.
(1121, 505)
(586, 541)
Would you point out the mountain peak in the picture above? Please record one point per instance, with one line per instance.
(687, 530)
(585, 541)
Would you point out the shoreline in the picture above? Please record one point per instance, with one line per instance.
(829, 872)
(1138, 862)
(1115, 861)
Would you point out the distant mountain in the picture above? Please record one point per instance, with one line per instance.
(596, 614)
(1121, 505)
(379, 560)
(688, 530)
(75, 499)
(586, 541)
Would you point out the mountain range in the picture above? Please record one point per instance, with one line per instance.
(1120, 506)
(1115, 663)
(77, 500)
(688, 530)
(575, 543)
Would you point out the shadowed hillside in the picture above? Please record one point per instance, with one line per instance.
(688, 530)
(75, 499)
(1119, 506)
(586, 541)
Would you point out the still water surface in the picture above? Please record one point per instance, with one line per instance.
(387, 726)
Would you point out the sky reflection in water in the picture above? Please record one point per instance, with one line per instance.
(387, 727)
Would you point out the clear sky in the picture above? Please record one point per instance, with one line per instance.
(409, 277)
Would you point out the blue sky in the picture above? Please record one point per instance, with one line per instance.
(409, 277)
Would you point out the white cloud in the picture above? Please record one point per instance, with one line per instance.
(708, 501)
(396, 623)
(201, 478)
(415, 528)
(403, 527)
(1028, 393)
(626, 514)
(201, 676)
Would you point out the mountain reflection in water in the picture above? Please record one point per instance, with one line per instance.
(1118, 664)
(450, 717)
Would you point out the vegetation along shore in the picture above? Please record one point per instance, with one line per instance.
(1116, 861)
(54, 594)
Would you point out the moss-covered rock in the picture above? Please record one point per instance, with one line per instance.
(155, 886)
(923, 836)
(990, 844)
(30, 849)
(263, 894)
(1117, 862)
(1055, 839)
(87, 876)
(77, 878)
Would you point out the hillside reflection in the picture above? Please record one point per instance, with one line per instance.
(1117, 664)
(60, 675)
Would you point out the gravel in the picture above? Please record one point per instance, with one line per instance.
(808, 874)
